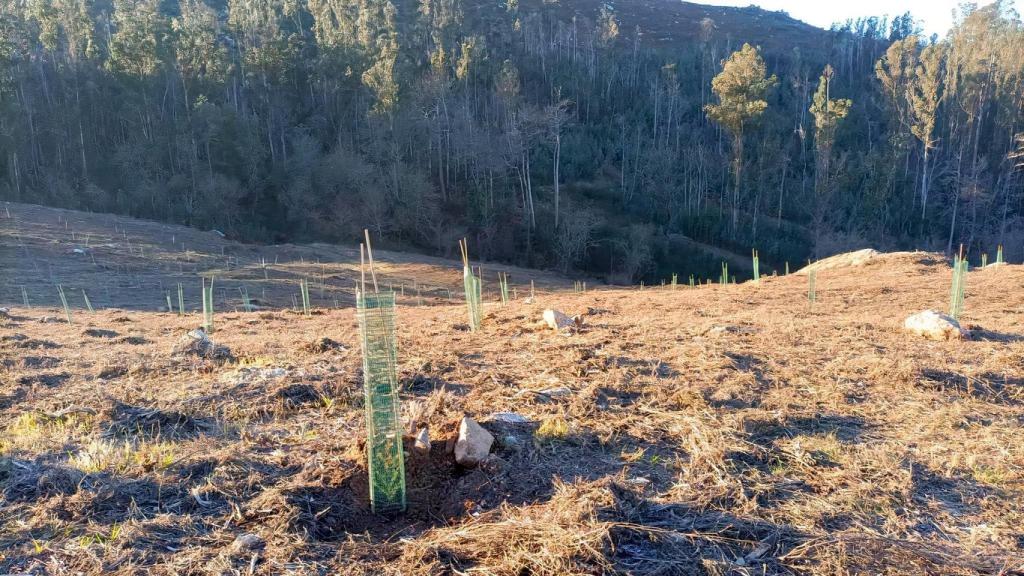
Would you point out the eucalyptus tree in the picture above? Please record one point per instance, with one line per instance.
(924, 95)
(827, 112)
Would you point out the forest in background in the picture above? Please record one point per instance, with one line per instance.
(551, 134)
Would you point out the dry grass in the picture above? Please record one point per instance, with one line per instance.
(132, 264)
(708, 431)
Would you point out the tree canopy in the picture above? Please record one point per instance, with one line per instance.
(550, 136)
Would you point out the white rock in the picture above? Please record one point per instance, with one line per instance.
(474, 443)
(509, 418)
(556, 392)
(511, 441)
(934, 325)
(559, 321)
(423, 440)
(197, 343)
(247, 541)
(547, 393)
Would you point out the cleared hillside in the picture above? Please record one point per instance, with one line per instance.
(129, 263)
(713, 430)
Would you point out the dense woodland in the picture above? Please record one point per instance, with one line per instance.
(549, 133)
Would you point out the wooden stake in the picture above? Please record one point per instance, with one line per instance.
(362, 269)
(464, 249)
(369, 256)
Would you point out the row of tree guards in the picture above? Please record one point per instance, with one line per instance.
(473, 285)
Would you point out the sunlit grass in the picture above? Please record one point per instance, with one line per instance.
(34, 431)
(552, 429)
(120, 457)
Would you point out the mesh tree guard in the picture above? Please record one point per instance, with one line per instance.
(812, 294)
(473, 288)
(304, 289)
(503, 285)
(386, 466)
(208, 306)
(958, 289)
(64, 302)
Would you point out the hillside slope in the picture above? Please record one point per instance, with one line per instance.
(669, 23)
(712, 430)
(124, 262)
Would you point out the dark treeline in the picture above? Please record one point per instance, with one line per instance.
(550, 137)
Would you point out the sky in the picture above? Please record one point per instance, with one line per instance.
(934, 16)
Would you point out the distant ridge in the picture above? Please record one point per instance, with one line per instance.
(667, 22)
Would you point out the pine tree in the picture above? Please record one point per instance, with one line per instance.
(741, 87)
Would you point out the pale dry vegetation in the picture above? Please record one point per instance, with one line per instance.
(713, 430)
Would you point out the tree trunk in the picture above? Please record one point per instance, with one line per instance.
(782, 192)
(956, 201)
(737, 168)
(529, 193)
(924, 184)
(558, 154)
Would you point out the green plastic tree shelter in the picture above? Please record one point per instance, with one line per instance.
(473, 288)
(376, 314)
(959, 286)
(471, 285)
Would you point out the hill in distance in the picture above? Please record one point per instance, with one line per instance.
(666, 23)
(128, 263)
